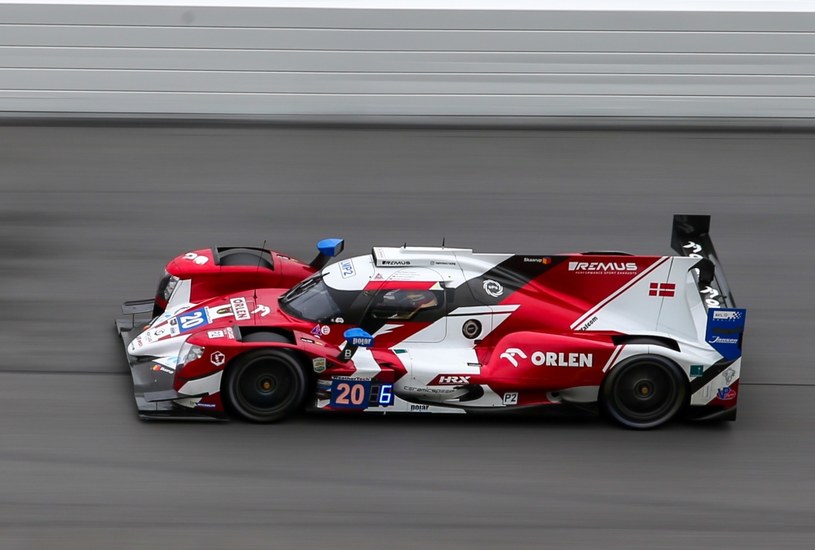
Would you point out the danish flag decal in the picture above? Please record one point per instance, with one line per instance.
(662, 290)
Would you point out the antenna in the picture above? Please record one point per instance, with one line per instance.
(442, 242)
(257, 271)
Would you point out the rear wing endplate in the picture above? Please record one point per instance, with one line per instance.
(690, 237)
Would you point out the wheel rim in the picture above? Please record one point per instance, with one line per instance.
(645, 392)
(265, 387)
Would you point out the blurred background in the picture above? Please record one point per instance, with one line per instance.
(133, 131)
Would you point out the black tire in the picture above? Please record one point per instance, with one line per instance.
(644, 392)
(264, 386)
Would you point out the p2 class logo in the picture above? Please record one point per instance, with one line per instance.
(347, 269)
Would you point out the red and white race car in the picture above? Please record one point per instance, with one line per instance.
(256, 334)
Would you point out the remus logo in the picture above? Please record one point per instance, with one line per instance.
(603, 267)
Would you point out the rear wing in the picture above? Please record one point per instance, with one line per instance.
(690, 237)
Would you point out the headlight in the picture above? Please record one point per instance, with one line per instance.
(189, 353)
(171, 283)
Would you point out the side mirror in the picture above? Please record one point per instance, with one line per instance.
(355, 338)
(358, 338)
(328, 248)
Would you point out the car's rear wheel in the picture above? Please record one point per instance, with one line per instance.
(264, 385)
(644, 392)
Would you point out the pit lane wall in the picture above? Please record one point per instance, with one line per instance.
(380, 60)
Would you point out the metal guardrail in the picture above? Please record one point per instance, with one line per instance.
(272, 62)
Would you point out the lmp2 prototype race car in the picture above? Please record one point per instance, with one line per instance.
(254, 334)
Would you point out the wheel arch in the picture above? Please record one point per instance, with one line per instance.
(608, 379)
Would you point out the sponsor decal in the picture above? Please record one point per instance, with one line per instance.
(726, 394)
(662, 290)
(220, 311)
(216, 334)
(261, 310)
(721, 340)
(724, 330)
(588, 323)
(697, 370)
(378, 277)
(319, 364)
(510, 354)
(396, 262)
(511, 398)
(695, 249)
(338, 320)
(192, 319)
(711, 296)
(347, 269)
(230, 333)
(195, 258)
(162, 368)
(205, 405)
(217, 358)
(493, 288)
(419, 408)
(729, 374)
(727, 315)
(541, 260)
(550, 358)
(437, 262)
(446, 390)
(603, 267)
(450, 380)
(308, 340)
(362, 341)
(240, 309)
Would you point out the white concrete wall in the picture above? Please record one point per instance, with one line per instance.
(735, 59)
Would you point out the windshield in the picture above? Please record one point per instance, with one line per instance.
(310, 300)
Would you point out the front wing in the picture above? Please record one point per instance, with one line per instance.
(152, 382)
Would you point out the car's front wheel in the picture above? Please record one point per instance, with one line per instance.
(264, 385)
(644, 392)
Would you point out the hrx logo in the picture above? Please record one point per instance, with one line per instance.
(450, 380)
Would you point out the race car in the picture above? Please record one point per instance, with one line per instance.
(257, 335)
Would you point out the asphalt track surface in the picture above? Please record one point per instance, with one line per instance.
(88, 215)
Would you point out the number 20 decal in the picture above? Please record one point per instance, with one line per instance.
(350, 394)
(192, 319)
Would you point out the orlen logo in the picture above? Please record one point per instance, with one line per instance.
(240, 308)
(550, 358)
(450, 380)
(603, 267)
